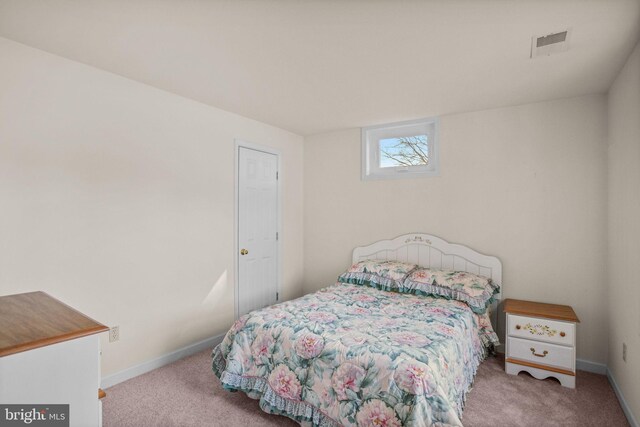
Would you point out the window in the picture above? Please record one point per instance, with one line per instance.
(405, 149)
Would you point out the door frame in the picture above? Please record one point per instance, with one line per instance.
(240, 143)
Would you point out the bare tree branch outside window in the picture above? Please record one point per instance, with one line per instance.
(405, 151)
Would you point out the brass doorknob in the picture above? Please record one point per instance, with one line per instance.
(243, 251)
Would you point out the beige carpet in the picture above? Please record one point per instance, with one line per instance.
(186, 393)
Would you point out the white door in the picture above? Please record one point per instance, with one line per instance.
(257, 229)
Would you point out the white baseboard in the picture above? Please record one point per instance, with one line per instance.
(150, 365)
(625, 407)
(589, 366)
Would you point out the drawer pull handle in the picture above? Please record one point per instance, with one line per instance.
(533, 351)
(518, 327)
(562, 334)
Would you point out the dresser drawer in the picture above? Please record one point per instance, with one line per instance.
(541, 329)
(541, 353)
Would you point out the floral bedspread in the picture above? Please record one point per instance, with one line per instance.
(354, 355)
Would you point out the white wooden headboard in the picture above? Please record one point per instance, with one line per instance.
(431, 251)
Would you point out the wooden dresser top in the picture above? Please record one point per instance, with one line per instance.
(35, 319)
(539, 309)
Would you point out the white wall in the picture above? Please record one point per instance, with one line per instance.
(118, 199)
(624, 230)
(525, 183)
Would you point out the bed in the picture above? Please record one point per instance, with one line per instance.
(364, 355)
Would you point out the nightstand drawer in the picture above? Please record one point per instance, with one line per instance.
(541, 353)
(541, 329)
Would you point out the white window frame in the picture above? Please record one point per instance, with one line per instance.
(372, 135)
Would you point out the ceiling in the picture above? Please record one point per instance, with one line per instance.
(317, 66)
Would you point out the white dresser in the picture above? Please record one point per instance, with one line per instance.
(541, 340)
(49, 355)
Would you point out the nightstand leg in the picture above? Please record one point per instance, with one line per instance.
(568, 381)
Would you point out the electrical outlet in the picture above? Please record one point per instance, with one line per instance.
(624, 351)
(114, 333)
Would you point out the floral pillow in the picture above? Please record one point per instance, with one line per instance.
(477, 291)
(381, 274)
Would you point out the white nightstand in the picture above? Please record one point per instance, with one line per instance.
(541, 340)
(50, 354)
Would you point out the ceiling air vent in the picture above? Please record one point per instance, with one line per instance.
(550, 44)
